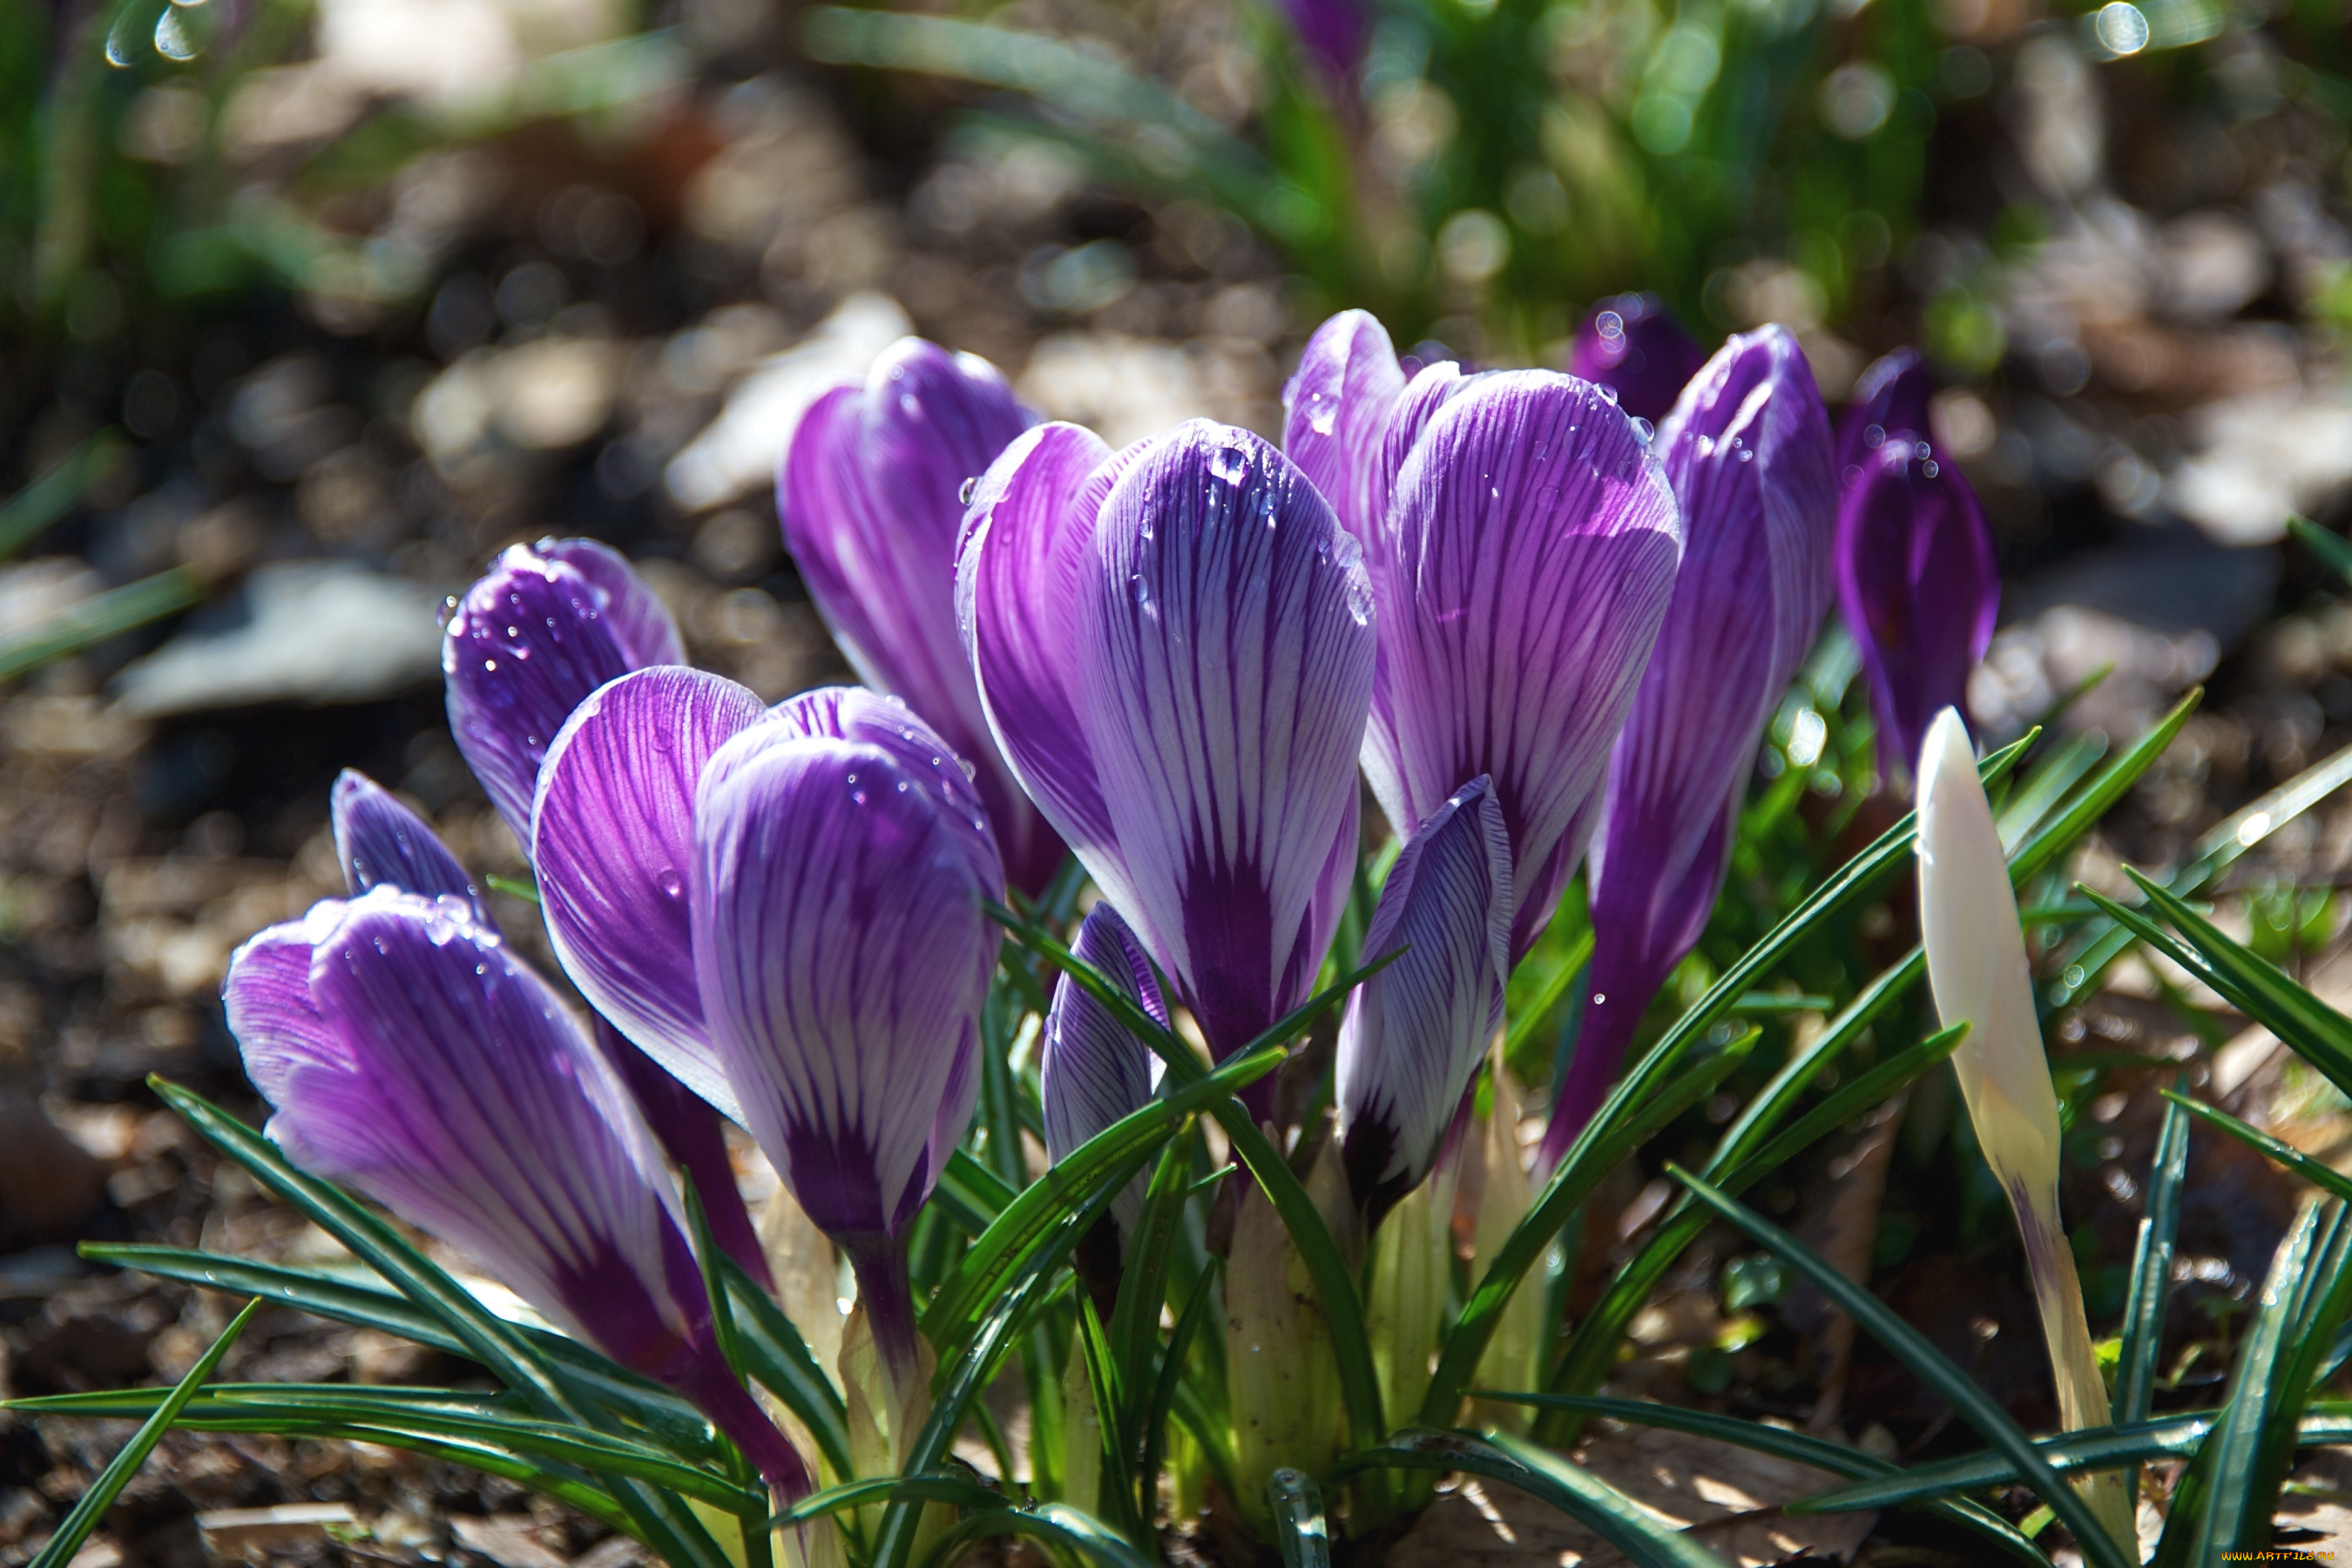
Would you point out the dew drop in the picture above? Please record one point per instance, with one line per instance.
(1609, 394)
(963, 495)
(671, 883)
(1230, 464)
(1929, 469)
(1873, 435)
(488, 664)
(1644, 429)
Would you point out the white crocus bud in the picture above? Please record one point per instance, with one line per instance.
(1977, 968)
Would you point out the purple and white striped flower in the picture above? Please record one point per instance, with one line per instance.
(381, 842)
(1091, 1069)
(1174, 646)
(789, 903)
(1747, 451)
(1416, 1031)
(1889, 404)
(408, 1053)
(549, 624)
(1632, 345)
(1920, 587)
(1522, 543)
(871, 496)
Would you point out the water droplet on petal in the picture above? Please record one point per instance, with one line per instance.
(963, 495)
(1230, 463)
(671, 884)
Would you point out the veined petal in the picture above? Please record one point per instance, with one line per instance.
(266, 997)
(1334, 410)
(1029, 526)
(614, 844)
(843, 960)
(1415, 1033)
(1226, 651)
(1633, 346)
(465, 1100)
(1889, 404)
(1091, 1069)
(871, 496)
(1532, 552)
(548, 624)
(1920, 588)
(379, 840)
(853, 713)
(1747, 452)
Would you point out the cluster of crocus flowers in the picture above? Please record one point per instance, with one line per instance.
(1916, 577)
(1530, 622)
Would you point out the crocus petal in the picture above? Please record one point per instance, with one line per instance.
(1091, 1069)
(692, 1135)
(1225, 628)
(1414, 1032)
(1336, 408)
(379, 840)
(547, 625)
(1632, 345)
(1747, 452)
(446, 1081)
(277, 1024)
(871, 496)
(1531, 550)
(1889, 404)
(1016, 586)
(614, 844)
(843, 959)
(1920, 588)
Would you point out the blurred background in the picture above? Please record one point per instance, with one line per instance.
(307, 307)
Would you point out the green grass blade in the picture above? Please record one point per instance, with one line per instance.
(1041, 1215)
(98, 618)
(2151, 1276)
(1143, 1284)
(677, 1424)
(775, 1355)
(2332, 550)
(1164, 1391)
(85, 1515)
(424, 1412)
(1640, 1535)
(524, 886)
(1781, 1443)
(1056, 1523)
(2219, 1507)
(31, 512)
(1929, 1365)
(1300, 1530)
(664, 1522)
(973, 1194)
(2057, 836)
(1528, 1019)
(1596, 1152)
(2313, 1030)
(931, 1486)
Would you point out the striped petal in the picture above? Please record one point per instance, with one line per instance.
(843, 959)
(1225, 643)
(1531, 549)
(1889, 404)
(1018, 565)
(379, 840)
(1334, 410)
(871, 496)
(614, 844)
(1091, 1069)
(1920, 588)
(1747, 453)
(446, 1081)
(550, 624)
(1415, 1033)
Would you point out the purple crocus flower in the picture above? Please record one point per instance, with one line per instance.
(871, 495)
(784, 908)
(407, 1052)
(1632, 345)
(1521, 541)
(381, 842)
(1889, 404)
(1416, 1031)
(1748, 450)
(550, 624)
(1920, 587)
(841, 862)
(1174, 645)
(1091, 1069)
